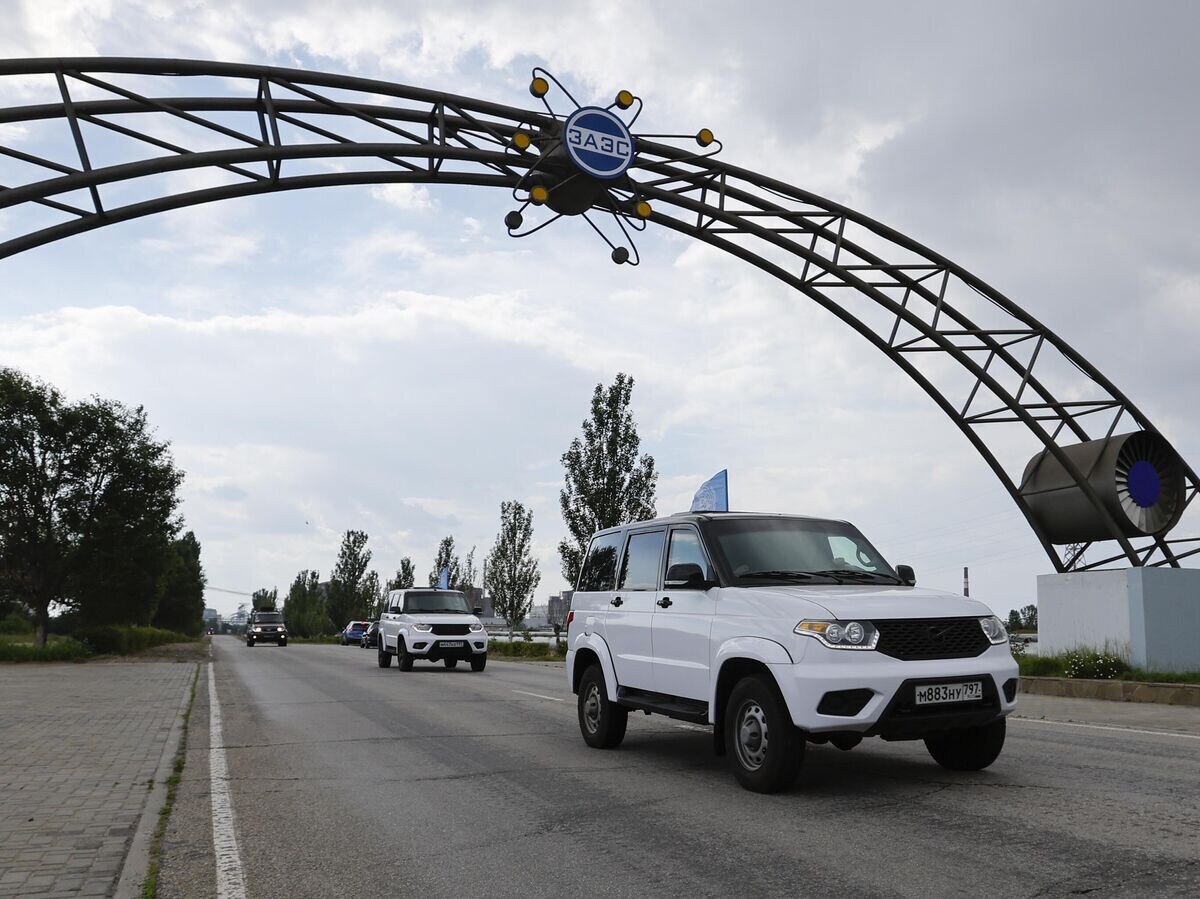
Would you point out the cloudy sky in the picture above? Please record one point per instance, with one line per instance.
(388, 359)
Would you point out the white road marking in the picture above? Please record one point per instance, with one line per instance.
(230, 882)
(1126, 730)
(538, 695)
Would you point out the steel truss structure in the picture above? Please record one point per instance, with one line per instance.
(137, 141)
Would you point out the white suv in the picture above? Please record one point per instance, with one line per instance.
(432, 625)
(778, 631)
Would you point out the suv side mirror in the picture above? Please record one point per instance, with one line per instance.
(906, 574)
(478, 610)
(687, 576)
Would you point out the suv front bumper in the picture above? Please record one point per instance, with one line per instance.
(890, 710)
(432, 648)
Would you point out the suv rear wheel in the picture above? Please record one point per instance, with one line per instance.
(968, 748)
(385, 657)
(762, 745)
(601, 721)
(404, 659)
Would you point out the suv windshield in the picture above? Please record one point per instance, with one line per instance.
(436, 601)
(268, 618)
(759, 551)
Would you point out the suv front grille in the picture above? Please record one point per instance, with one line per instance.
(911, 639)
(450, 630)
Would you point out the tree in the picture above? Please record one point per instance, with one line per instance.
(371, 595)
(87, 505)
(512, 572)
(406, 575)
(181, 606)
(264, 600)
(1029, 617)
(446, 558)
(304, 606)
(346, 599)
(466, 574)
(1014, 620)
(607, 483)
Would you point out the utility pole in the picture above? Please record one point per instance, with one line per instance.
(966, 581)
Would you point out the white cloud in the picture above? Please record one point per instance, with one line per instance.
(410, 197)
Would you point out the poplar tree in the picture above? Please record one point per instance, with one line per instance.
(607, 482)
(512, 571)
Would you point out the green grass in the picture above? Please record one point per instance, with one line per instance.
(1060, 666)
(57, 649)
(150, 884)
(542, 652)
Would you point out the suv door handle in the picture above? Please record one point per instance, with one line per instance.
(616, 601)
(665, 602)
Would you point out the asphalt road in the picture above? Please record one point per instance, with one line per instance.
(351, 780)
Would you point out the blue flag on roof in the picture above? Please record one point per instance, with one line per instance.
(713, 495)
(444, 579)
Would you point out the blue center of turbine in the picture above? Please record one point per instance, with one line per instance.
(1145, 485)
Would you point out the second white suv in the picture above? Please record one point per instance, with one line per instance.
(780, 631)
(433, 625)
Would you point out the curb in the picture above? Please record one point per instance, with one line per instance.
(1113, 690)
(137, 857)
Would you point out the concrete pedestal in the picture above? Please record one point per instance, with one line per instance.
(1150, 616)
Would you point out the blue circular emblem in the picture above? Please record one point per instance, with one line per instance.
(1145, 485)
(598, 142)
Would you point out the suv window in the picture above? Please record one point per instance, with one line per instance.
(268, 618)
(643, 555)
(600, 567)
(686, 549)
(436, 601)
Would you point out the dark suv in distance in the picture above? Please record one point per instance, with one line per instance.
(266, 627)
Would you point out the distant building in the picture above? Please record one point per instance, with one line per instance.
(556, 610)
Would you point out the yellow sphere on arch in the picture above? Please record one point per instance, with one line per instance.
(624, 99)
(521, 140)
(643, 209)
(705, 137)
(539, 194)
(539, 87)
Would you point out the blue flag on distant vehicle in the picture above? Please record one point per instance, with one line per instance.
(444, 579)
(713, 495)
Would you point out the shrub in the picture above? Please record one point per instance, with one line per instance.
(528, 637)
(1094, 665)
(15, 624)
(58, 651)
(113, 640)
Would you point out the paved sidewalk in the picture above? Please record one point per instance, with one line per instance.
(79, 746)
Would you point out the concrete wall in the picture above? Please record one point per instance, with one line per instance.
(1169, 623)
(1151, 616)
(1087, 608)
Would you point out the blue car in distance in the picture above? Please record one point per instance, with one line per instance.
(352, 633)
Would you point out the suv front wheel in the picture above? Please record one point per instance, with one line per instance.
(601, 721)
(404, 659)
(763, 746)
(969, 748)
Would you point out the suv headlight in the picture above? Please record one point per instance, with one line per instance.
(993, 628)
(258, 630)
(423, 628)
(476, 628)
(841, 634)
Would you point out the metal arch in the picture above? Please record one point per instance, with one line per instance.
(831, 254)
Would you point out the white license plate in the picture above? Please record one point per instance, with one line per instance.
(451, 644)
(934, 693)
